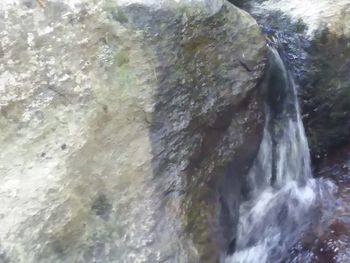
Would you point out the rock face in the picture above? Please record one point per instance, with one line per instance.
(326, 98)
(118, 122)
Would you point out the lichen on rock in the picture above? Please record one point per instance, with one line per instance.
(118, 121)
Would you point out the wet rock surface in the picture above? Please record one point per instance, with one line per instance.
(315, 38)
(326, 96)
(117, 126)
(331, 244)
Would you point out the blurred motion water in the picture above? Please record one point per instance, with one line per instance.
(285, 200)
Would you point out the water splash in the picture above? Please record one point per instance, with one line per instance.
(283, 195)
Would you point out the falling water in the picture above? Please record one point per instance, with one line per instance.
(283, 196)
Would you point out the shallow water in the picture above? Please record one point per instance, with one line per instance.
(331, 245)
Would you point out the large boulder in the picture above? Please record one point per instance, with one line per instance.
(118, 121)
(326, 96)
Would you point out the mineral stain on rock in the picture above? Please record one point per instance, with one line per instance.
(102, 207)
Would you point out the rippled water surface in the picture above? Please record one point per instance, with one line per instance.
(331, 245)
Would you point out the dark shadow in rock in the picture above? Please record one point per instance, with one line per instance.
(326, 96)
(102, 207)
(3, 257)
(209, 112)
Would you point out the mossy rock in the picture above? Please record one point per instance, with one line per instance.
(326, 97)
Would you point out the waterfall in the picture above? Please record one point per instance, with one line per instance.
(283, 196)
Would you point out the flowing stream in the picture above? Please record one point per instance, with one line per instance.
(284, 199)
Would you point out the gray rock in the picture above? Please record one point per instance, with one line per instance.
(326, 94)
(117, 125)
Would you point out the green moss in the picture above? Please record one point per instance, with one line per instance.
(299, 26)
(119, 16)
(122, 58)
(190, 48)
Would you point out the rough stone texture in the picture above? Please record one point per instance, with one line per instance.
(118, 121)
(326, 95)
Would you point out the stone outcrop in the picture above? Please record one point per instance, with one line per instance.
(326, 95)
(118, 121)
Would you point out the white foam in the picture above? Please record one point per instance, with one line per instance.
(281, 208)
